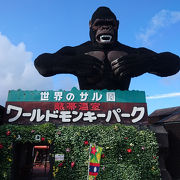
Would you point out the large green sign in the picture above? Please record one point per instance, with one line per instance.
(76, 95)
(76, 107)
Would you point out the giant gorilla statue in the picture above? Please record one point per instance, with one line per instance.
(103, 62)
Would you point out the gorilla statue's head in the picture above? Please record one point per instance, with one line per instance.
(103, 27)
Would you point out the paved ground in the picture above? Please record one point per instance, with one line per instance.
(40, 178)
(39, 173)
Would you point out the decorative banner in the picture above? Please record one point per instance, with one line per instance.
(76, 107)
(94, 161)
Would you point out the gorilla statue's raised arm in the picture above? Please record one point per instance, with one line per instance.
(103, 62)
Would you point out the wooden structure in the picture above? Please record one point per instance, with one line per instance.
(169, 118)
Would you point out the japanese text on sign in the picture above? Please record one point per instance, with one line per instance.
(76, 106)
(75, 116)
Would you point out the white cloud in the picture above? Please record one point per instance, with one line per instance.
(169, 95)
(161, 20)
(17, 70)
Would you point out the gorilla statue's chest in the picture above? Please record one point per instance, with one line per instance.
(112, 55)
(108, 56)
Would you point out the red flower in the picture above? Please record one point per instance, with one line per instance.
(154, 157)
(1, 146)
(72, 164)
(68, 149)
(60, 164)
(143, 148)
(43, 139)
(129, 150)
(103, 156)
(125, 138)
(86, 142)
(58, 133)
(8, 133)
(32, 131)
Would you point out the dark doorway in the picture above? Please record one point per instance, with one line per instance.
(41, 163)
(22, 162)
(31, 162)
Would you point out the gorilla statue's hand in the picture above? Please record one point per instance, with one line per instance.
(92, 67)
(130, 66)
(89, 66)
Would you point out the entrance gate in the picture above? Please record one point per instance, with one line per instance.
(31, 162)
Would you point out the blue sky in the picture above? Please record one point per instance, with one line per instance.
(29, 28)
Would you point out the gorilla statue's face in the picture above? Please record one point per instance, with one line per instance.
(103, 27)
(105, 30)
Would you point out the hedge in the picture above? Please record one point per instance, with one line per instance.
(128, 153)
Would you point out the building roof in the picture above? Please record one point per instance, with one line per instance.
(165, 115)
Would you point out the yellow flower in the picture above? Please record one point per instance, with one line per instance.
(78, 133)
(4, 174)
(57, 169)
(49, 141)
(86, 162)
(116, 128)
(10, 147)
(9, 159)
(54, 174)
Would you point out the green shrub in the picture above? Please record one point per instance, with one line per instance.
(129, 153)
